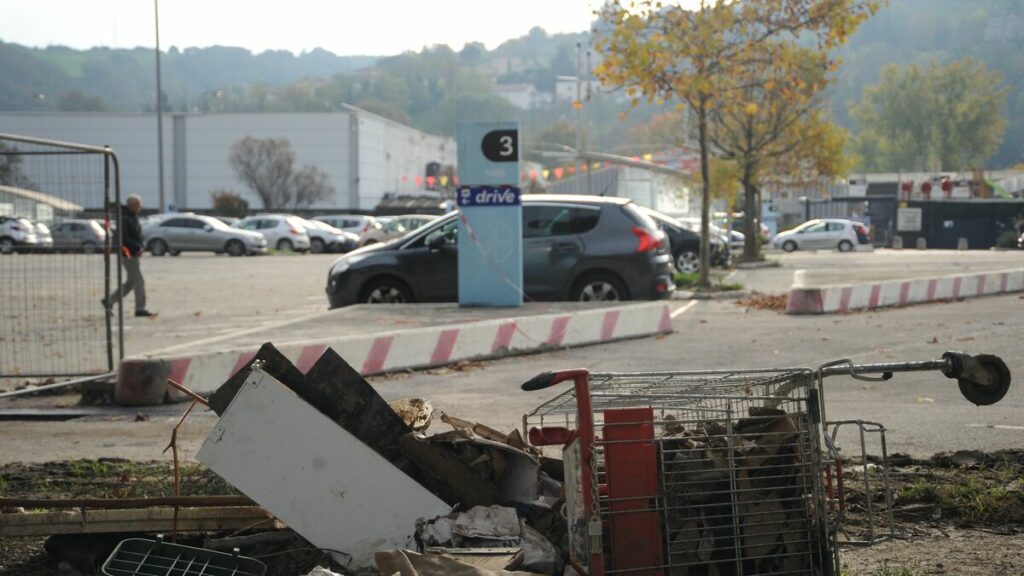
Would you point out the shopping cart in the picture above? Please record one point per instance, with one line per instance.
(717, 472)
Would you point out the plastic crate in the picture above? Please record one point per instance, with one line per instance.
(142, 557)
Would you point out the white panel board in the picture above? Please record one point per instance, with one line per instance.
(320, 480)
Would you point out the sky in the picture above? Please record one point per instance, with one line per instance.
(345, 27)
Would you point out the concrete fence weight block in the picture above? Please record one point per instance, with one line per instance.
(922, 244)
(961, 243)
(141, 383)
(897, 242)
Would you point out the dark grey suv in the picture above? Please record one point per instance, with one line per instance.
(574, 248)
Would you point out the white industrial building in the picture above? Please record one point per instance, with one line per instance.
(364, 155)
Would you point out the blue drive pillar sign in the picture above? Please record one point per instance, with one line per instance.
(491, 221)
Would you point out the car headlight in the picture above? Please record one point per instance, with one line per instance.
(342, 264)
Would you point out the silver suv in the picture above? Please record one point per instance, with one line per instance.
(85, 236)
(195, 233)
(17, 234)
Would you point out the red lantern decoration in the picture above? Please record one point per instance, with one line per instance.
(430, 181)
(947, 187)
(533, 174)
(419, 180)
(558, 172)
(906, 187)
(572, 169)
(926, 190)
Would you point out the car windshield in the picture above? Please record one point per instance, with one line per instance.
(325, 226)
(217, 224)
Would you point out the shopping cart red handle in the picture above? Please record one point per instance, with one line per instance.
(549, 379)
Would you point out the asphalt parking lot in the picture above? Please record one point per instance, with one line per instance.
(200, 296)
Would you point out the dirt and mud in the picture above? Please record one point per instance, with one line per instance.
(956, 514)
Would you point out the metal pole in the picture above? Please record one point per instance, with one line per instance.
(159, 110)
(579, 115)
(590, 177)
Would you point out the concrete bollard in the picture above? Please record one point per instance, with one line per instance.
(922, 244)
(897, 243)
(141, 383)
(961, 243)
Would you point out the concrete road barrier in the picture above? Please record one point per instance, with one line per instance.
(377, 352)
(847, 297)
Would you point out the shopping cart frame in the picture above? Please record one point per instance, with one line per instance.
(983, 380)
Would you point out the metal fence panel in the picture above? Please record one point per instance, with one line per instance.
(56, 263)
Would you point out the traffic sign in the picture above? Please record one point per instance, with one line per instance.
(491, 226)
(488, 196)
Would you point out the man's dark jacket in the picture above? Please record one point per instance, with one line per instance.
(131, 231)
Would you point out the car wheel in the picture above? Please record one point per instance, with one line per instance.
(158, 247)
(386, 291)
(688, 262)
(6, 246)
(89, 247)
(316, 246)
(235, 248)
(599, 288)
(285, 244)
(789, 246)
(845, 246)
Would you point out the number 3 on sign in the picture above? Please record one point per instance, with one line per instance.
(501, 146)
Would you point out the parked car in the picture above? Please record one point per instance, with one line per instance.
(584, 248)
(326, 238)
(357, 224)
(197, 233)
(44, 237)
(685, 244)
(85, 236)
(17, 234)
(842, 235)
(282, 231)
(229, 220)
(394, 227)
(731, 237)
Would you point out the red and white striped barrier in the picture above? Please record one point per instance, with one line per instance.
(438, 345)
(844, 298)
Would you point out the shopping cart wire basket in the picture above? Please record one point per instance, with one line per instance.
(715, 472)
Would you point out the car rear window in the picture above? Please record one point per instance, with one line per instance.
(558, 220)
(639, 216)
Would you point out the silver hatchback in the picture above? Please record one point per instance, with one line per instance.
(195, 233)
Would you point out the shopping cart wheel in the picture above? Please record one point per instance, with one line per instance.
(984, 379)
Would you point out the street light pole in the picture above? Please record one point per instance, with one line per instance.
(159, 111)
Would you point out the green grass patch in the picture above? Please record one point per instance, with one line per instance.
(108, 478)
(992, 496)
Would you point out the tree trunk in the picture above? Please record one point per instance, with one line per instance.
(751, 223)
(704, 281)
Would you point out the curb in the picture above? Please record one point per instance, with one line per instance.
(726, 295)
(757, 265)
(894, 293)
(438, 345)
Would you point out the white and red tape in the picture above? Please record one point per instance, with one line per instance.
(433, 346)
(844, 298)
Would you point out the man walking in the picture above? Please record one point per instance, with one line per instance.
(131, 252)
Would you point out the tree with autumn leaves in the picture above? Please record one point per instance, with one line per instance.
(735, 64)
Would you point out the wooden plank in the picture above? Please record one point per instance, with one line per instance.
(135, 520)
(118, 503)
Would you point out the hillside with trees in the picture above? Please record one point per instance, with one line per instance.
(436, 87)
